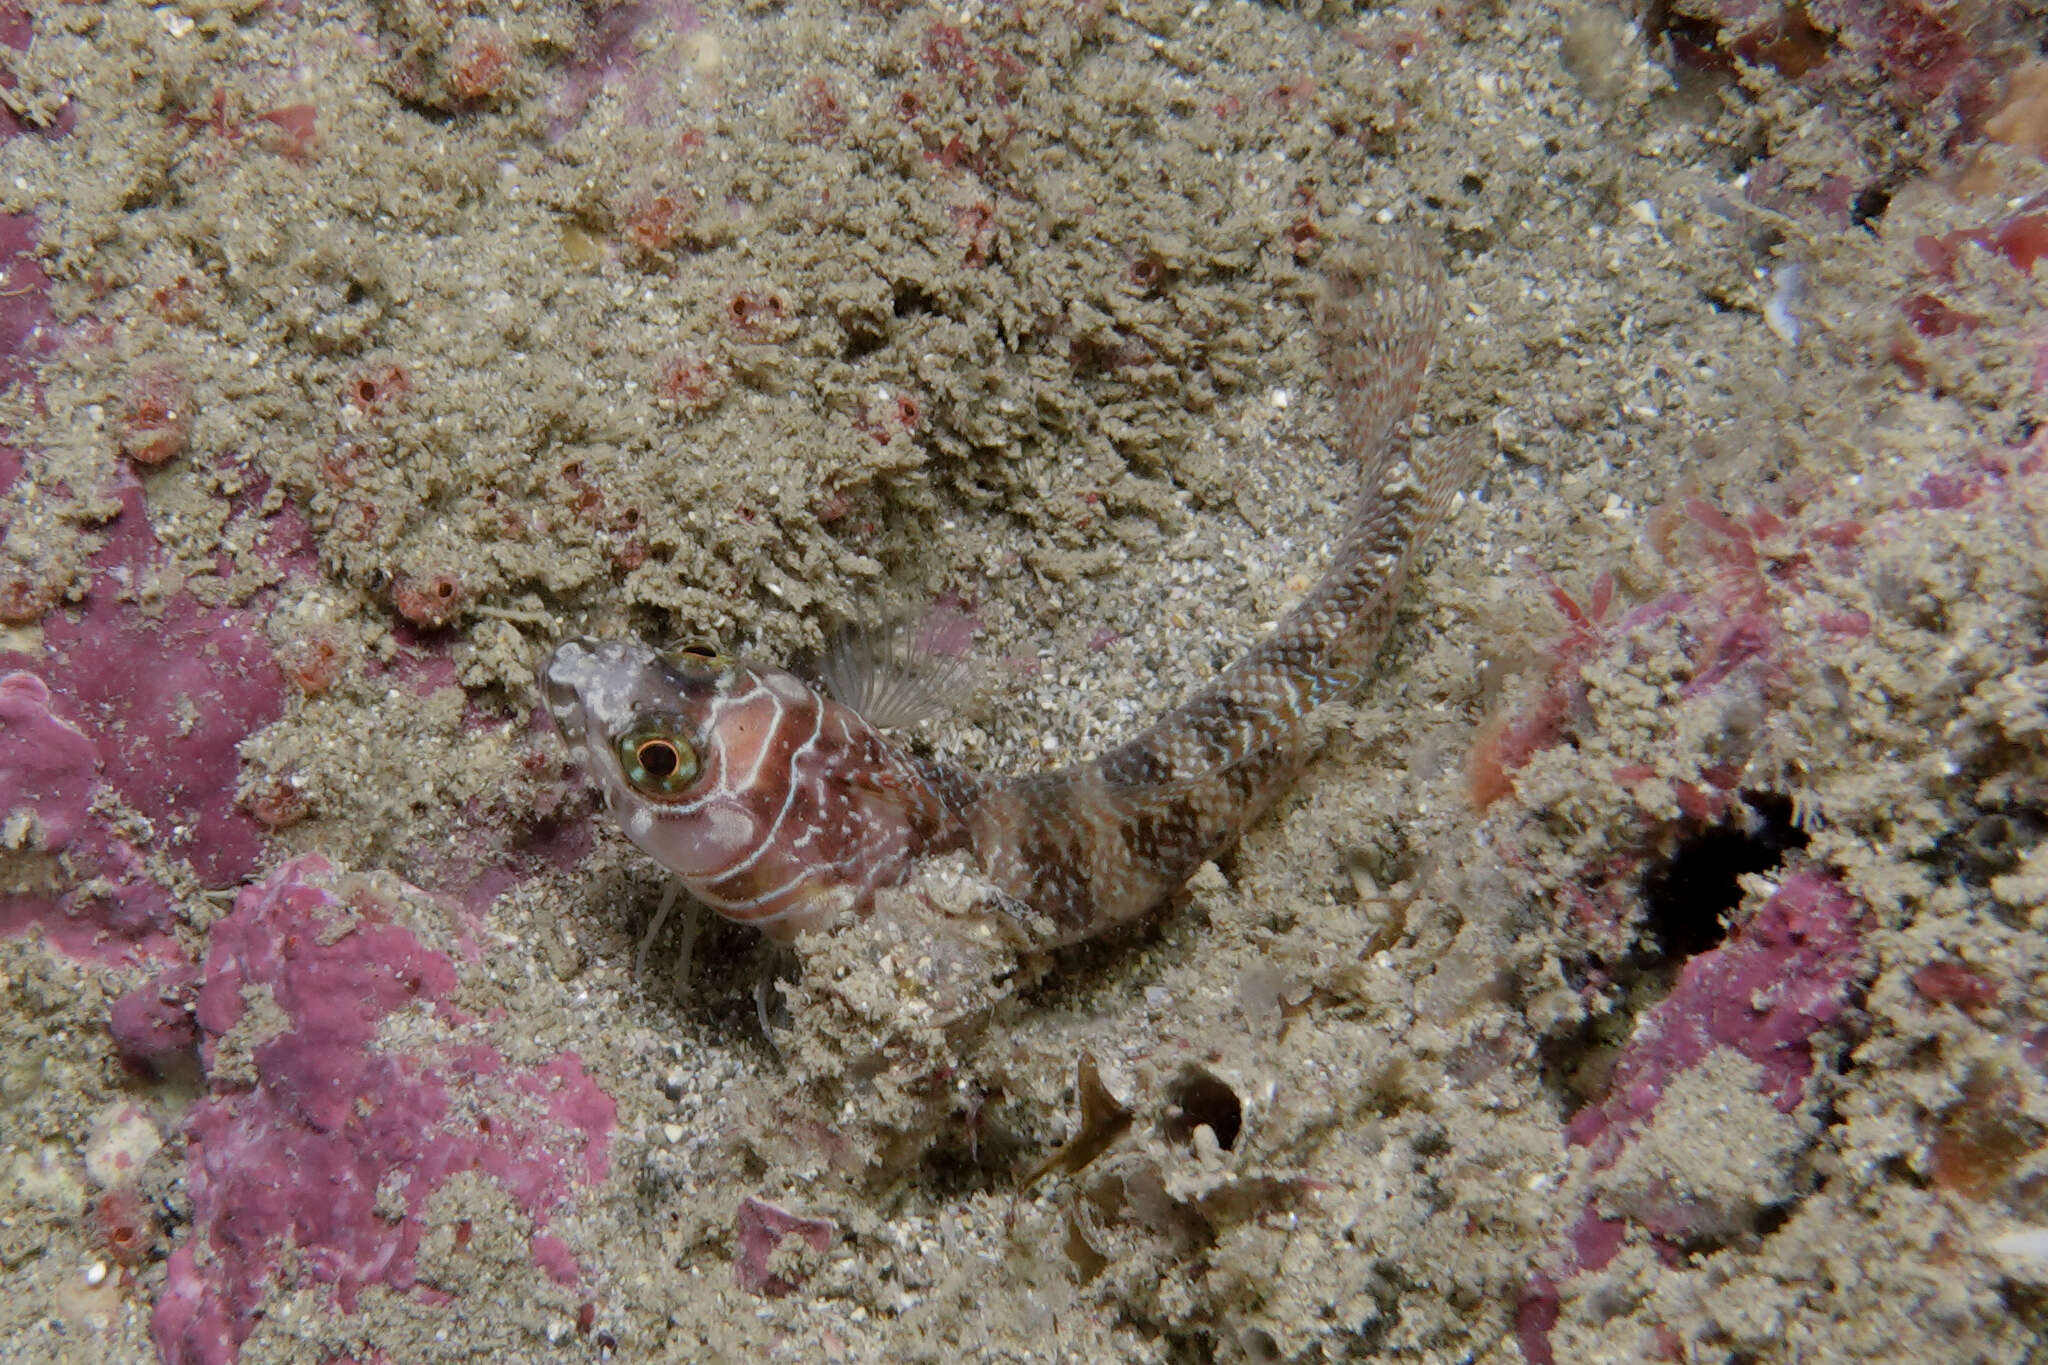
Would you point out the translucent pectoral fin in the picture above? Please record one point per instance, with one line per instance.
(904, 672)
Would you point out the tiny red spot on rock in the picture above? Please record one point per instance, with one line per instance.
(156, 416)
(431, 601)
(820, 110)
(27, 592)
(653, 221)
(478, 65)
(378, 389)
(278, 804)
(296, 135)
(689, 384)
(757, 314)
(311, 663)
(1951, 983)
(123, 1227)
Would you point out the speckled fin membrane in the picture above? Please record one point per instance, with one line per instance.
(901, 673)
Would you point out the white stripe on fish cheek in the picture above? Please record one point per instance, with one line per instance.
(762, 744)
(763, 838)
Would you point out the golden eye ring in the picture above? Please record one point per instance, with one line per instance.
(657, 762)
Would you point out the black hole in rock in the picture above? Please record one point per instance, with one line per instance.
(861, 343)
(1687, 896)
(1198, 1098)
(1870, 206)
(1774, 1216)
(909, 300)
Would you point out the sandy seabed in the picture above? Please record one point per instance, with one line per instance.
(1728, 681)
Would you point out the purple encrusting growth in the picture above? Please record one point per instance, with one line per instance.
(1757, 604)
(294, 1175)
(149, 708)
(140, 703)
(98, 899)
(1782, 979)
(174, 692)
(610, 53)
(27, 325)
(1932, 64)
(148, 711)
(761, 1228)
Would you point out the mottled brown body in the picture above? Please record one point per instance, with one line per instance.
(793, 807)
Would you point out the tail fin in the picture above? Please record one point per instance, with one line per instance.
(1381, 305)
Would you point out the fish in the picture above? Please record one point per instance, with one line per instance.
(783, 806)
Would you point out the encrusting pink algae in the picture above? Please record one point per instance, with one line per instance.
(323, 1145)
(1648, 968)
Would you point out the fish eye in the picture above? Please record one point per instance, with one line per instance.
(657, 762)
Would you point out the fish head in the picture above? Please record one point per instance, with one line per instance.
(773, 803)
(669, 742)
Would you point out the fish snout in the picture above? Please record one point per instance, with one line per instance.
(561, 677)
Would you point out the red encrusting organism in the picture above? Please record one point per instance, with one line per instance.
(156, 416)
(431, 600)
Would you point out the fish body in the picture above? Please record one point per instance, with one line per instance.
(780, 806)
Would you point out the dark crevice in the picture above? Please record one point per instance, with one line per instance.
(1772, 1217)
(909, 300)
(861, 344)
(1199, 1099)
(1688, 897)
(1870, 206)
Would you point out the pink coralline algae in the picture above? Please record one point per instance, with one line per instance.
(120, 735)
(27, 327)
(1767, 994)
(610, 53)
(180, 687)
(142, 710)
(1780, 978)
(312, 1159)
(1936, 64)
(761, 1228)
(70, 868)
